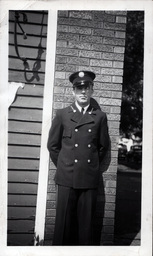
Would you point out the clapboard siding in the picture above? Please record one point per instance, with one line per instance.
(34, 17)
(22, 213)
(22, 76)
(23, 164)
(25, 125)
(24, 226)
(23, 151)
(25, 239)
(24, 139)
(31, 90)
(30, 102)
(25, 114)
(22, 188)
(19, 65)
(27, 52)
(19, 176)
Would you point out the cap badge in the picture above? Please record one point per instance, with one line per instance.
(81, 74)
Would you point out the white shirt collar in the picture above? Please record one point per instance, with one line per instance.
(80, 108)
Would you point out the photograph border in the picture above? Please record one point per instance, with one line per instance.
(146, 209)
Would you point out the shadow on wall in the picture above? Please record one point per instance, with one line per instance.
(99, 215)
(98, 222)
(128, 209)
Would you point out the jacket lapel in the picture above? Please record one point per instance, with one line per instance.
(80, 119)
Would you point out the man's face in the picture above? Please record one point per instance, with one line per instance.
(82, 94)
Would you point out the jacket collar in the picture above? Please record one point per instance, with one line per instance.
(80, 119)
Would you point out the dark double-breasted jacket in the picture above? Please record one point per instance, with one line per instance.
(77, 144)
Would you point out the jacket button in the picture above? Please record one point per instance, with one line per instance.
(89, 160)
(89, 145)
(76, 160)
(89, 130)
(76, 130)
(76, 145)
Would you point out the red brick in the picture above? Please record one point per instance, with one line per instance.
(61, 59)
(113, 117)
(111, 183)
(120, 19)
(91, 39)
(110, 191)
(106, 109)
(108, 222)
(51, 212)
(119, 34)
(118, 64)
(117, 12)
(115, 26)
(107, 86)
(80, 22)
(78, 61)
(114, 41)
(58, 105)
(51, 221)
(51, 204)
(90, 54)
(65, 67)
(110, 206)
(104, 94)
(108, 229)
(113, 160)
(102, 48)
(117, 95)
(112, 71)
(101, 63)
(101, 78)
(119, 49)
(80, 30)
(109, 214)
(66, 51)
(81, 14)
(96, 70)
(102, 16)
(63, 13)
(49, 229)
(51, 196)
(117, 79)
(115, 110)
(113, 56)
(102, 32)
(67, 36)
(60, 75)
(61, 44)
(114, 102)
(79, 45)
(51, 188)
(113, 131)
(62, 28)
(59, 90)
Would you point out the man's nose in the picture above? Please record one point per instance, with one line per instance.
(83, 90)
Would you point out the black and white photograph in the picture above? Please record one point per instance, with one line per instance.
(76, 129)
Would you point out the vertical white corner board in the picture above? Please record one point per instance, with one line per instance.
(47, 117)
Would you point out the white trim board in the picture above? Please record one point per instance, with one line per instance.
(47, 117)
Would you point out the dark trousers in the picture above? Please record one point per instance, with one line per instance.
(74, 216)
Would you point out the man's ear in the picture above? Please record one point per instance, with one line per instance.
(73, 91)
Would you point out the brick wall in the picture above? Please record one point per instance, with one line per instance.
(92, 40)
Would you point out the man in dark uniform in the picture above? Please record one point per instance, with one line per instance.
(78, 140)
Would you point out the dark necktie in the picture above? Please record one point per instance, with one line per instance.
(82, 110)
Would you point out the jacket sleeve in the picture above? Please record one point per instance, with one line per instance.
(104, 138)
(55, 138)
